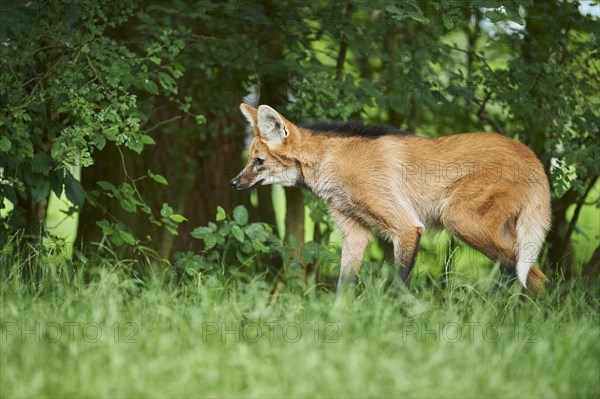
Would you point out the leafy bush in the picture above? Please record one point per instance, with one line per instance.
(231, 244)
(68, 89)
(235, 248)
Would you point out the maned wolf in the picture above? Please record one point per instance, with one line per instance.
(488, 190)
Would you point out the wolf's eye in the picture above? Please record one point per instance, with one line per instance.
(258, 161)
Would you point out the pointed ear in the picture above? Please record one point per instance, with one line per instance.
(250, 113)
(271, 126)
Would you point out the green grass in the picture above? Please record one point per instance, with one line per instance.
(202, 339)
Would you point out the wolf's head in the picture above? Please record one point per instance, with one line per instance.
(271, 154)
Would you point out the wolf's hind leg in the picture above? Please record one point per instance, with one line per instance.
(508, 273)
(508, 269)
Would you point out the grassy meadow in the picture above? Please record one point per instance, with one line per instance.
(89, 329)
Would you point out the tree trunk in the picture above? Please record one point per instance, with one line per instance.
(211, 188)
(560, 251)
(390, 47)
(592, 269)
(274, 93)
(107, 167)
(294, 215)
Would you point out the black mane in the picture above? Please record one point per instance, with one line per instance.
(353, 129)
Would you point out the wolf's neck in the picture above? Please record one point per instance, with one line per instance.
(316, 169)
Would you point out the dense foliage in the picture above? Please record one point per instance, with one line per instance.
(69, 88)
(143, 96)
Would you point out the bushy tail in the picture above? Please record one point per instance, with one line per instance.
(532, 225)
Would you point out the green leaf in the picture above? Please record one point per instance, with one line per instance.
(125, 236)
(493, 15)
(225, 229)
(210, 241)
(105, 226)
(240, 215)
(256, 231)
(158, 178)
(5, 144)
(56, 181)
(41, 162)
(73, 190)
(99, 141)
(106, 185)
(237, 233)
(221, 215)
(148, 139)
(136, 145)
(447, 21)
(111, 132)
(166, 211)
(179, 66)
(259, 246)
(150, 87)
(116, 239)
(167, 82)
(177, 218)
(201, 232)
(128, 206)
(410, 9)
(39, 186)
(205, 234)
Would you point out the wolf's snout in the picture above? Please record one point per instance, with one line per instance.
(234, 182)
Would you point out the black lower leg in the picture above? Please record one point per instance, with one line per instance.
(347, 281)
(508, 272)
(405, 272)
(405, 261)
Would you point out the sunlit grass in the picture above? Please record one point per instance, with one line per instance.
(89, 329)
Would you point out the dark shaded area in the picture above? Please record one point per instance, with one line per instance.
(353, 128)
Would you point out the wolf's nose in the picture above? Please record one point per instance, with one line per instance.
(234, 182)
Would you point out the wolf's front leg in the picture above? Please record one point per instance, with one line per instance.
(406, 246)
(356, 238)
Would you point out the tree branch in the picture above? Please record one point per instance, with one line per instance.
(162, 123)
(341, 58)
(486, 118)
(132, 180)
